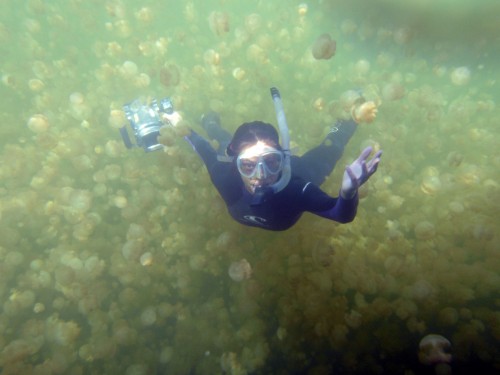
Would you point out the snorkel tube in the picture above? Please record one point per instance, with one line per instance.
(262, 194)
(285, 142)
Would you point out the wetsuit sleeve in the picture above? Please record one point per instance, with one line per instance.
(225, 179)
(203, 148)
(321, 204)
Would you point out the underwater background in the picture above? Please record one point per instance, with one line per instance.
(116, 261)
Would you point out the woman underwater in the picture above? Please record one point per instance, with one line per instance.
(264, 186)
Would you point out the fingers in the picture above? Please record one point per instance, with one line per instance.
(364, 169)
(365, 153)
(352, 176)
(374, 166)
(373, 163)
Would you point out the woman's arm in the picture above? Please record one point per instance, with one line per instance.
(319, 203)
(344, 210)
(202, 148)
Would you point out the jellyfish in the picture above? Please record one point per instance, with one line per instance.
(170, 75)
(460, 76)
(218, 23)
(38, 123)
(432, 350)
(324, 47)
(393, 92)
(240, 270)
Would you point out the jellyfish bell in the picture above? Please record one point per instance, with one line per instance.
(433, 350)
(144, 14)
(362, 67)
(240, 270)
(425, 230)
(302, 9)
(170, 75)
(38, 123)
(218, 23)
(129, 69)
(148, 316)
(403, 35)
(36, 84)
(253, 23)
(460, 76)
(319, 104)
(349, 98)
(146, 259)
(324, 47)
(238, 74)
(348, 27)
(431, 185)
(393, 91)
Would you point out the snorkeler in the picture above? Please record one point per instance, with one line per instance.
(264, 186)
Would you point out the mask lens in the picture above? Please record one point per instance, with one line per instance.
(273, 162)
(247, 166)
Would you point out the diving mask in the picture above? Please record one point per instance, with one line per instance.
(267, 162)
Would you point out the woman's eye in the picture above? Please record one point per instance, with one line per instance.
(248, 164)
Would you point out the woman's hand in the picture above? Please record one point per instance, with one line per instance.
(359, 172)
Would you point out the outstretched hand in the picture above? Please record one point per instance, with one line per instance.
(358, 172)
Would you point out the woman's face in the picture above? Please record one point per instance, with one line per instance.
(259, 165)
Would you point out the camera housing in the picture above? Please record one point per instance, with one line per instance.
(146, 121)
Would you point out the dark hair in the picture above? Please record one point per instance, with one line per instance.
(250, 133)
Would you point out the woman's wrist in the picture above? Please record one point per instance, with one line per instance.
(349, 194)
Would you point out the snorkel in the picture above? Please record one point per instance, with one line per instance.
(285, 142)
(265, 192)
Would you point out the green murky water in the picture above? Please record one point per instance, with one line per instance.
(113, 261)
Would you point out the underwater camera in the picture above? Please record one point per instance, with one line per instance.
(146, 121)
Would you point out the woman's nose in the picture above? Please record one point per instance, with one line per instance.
(261, 173)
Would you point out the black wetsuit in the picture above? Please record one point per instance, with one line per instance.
(283, 209)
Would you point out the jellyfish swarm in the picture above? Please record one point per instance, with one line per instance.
(324, 47)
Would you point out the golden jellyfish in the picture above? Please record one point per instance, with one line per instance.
(319, 104)
(302, 9)
(211, 57)
(36, 85)
(144, 14)
(393, 91)
(362, 67)
(425, 230)
(431, 185)
(432, 350)
(365, 112)
(148, 316)
(146, 259)
(170, 75)
(324, 47)
(238, 74)
(38, 123)
(218, 23)
(454, 159)
(253, 23)
(460, 76)
(350, 98)
(402, 36)
(240, 270)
